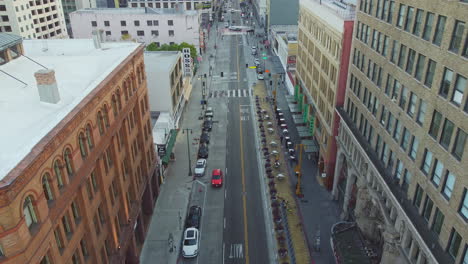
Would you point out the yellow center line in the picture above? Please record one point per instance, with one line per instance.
(244, 199)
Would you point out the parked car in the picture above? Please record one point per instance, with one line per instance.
(194, 217)
(203, 151)
(260, 76)
(209, 112)
(207, 125)
(217, 178)
(205, 138)
(190, 243)
(254, 50)
(200, 167)
(257, 62)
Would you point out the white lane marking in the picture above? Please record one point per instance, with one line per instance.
(223, 252)
(224, 225)
(236, 251)
(225, 194)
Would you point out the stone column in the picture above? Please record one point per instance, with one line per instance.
(338, 167)
(391, 253)
(349, 185)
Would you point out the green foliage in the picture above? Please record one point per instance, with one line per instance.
(173, 47)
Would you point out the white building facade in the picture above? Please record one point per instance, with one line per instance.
(186, 5)
(40, 19)
(143, 25)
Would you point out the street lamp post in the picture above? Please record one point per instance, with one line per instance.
(187, 130)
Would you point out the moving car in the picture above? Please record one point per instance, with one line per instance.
(190, 242)
(194, 217)
(257, 62)
(209, 112)
(217, 178)
(254, 50)
(203, 151)
(235, 28)
(200, 167)
(260, 76)
(259, 69)
(205, 138)
(207, 125)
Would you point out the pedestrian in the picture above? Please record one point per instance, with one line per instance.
(281, 138)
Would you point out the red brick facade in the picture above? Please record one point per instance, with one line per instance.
(91, 181)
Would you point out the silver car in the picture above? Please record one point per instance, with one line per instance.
(200, 168)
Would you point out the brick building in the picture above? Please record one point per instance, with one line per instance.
(325, 35)
(77, 163)
(401, 170)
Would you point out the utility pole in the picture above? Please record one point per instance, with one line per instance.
(298, 171)
(187, 130)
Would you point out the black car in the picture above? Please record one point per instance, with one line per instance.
(194, 217)
(207, 125)
(205, 138)
(203, 151)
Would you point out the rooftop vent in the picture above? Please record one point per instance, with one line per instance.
(47, 86)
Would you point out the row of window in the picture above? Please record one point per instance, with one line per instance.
(446, 135)
(141, 33)
(136, 23)
(452, 88)
(188, 5)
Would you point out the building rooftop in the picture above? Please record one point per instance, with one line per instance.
(79, 68)
(8, 40)
(332, 12)
(140, 11)
(163, 61)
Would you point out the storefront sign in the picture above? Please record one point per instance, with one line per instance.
(161, 150)
(187, 62)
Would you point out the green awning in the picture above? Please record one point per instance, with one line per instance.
(169, 146)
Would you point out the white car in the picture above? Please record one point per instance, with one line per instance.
(257, 62)
(190, 242)
(200, 167)
(209, 112)
(226, 24)
(260, 76)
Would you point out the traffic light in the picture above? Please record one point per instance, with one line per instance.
(204, 75)
(222, 74)
(269, 75)
(271, 82)
(246, 65)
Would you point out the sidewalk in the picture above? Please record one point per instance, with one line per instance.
(167, 222)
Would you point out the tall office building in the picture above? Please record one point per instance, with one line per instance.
(402, 163)
(78, 177)
(40, 19)
(325, 35)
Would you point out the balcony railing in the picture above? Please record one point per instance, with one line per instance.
(421, 226)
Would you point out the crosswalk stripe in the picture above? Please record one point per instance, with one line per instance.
(230, 93)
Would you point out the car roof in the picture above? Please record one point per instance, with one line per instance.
(217, 172)
(201, 161)
(190, 232)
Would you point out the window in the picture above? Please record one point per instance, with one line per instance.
(394, 53)
(427, 161)
(75, 211)
(149, 22)
(136, 23)
(406, 180)
(170, 22)
(75, 258)
(447, 132)
(391, 10)
(46, 181)
(446, 82)
(428, 26)
(84, 248)
(100, 121)
(94, 181)
(448, 185)
(454, 243)
(457, 36)
(421, 112)
(418, 22)
(439, 31)
(437, 172)
(123, 23)
(431, 65)
(140, 33)
(171, 33)
(401, 14)
(459, 145)
(458, 90)
(419, 67)
(68, 162)
(155, 22)
(414, 148)
(93, 23)
(464, 206)
(29, 212)
(107, 23)
(402, 56)
(428, 204)
(435, 125)
(58, 239)
(58, 173)
(397, 132)
(108, 33)
(418, 196)
(404, 97)
(410, 61)
(398, 169)
(409, 18)
(406, 138)
(82, 144)
(154, 33)
(438, 221)
(66, 224)
(412, 104)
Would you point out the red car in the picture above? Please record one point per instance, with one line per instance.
(217, 178)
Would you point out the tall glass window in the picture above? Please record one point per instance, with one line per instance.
(457, 36)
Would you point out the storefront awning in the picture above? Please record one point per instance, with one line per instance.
(169, 146)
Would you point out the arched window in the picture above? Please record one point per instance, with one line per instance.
(89, 136)
(106, 116)
(46, 183)
(138, 75)
(82, 143)
(126, 90)
(58, 173)
(142, 72)
(29, 212)
(114, 105)
(100, 121)
(67, 156)
(119, 99)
